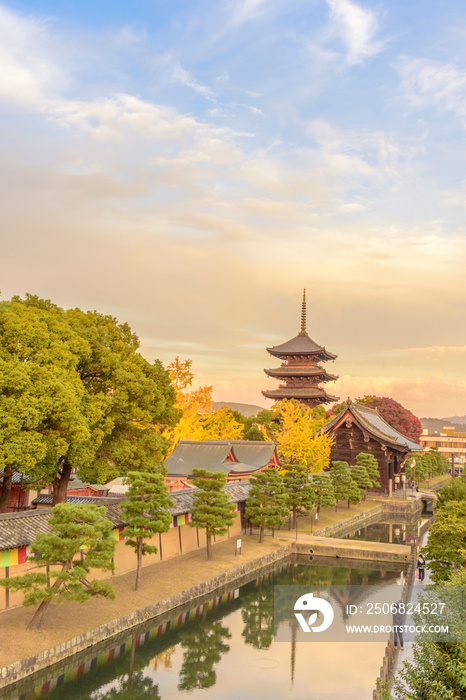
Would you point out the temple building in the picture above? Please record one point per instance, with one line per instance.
(300, 374)
(359, 428)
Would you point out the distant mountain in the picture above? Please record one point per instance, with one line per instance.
(436, 425)
(246, 409)
(457, 419)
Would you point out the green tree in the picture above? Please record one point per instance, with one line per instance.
(454, 490)
(438, 668)
(104, 416)
(42, 401)
(361, 477)
(324, 492)
(130, 400)
(299, 488)
(212, 508)
(267, 504)
(344, 485)
(446, 546)
(203, 648)
(146, 510)
(372, 468)
(75, 529)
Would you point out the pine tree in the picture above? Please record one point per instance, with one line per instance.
(372, 467)
(268, 503)
(146, 511)
(345, 487)
(324, 493)
(212, 508)
(299, 488)
(362, 478)
(75, 529)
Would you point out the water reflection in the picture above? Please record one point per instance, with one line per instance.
(203, 649)
(226, 648)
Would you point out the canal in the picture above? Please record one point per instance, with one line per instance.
(225, 648)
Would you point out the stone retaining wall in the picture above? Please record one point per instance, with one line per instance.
(355, 523)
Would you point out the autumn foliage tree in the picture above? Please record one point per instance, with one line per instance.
(298, 436)
(199, 420)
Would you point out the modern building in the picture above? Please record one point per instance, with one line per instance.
(362, 429)
(300, 373)
(450, 443)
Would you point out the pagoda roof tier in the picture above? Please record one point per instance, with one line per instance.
(301, 344)
(297, 371)
(300, 393)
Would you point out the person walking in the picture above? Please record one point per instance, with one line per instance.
(421, 567)
(397, 625)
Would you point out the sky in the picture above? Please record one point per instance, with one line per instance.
(190, 166)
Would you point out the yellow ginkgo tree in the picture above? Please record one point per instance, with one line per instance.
(298, 436)
(199, 420)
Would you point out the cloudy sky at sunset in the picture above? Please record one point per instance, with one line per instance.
(189, 166)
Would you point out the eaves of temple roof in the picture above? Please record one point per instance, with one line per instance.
(300, 371)
(300, 393)
(301, 344)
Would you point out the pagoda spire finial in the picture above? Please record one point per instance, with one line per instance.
(303, 315)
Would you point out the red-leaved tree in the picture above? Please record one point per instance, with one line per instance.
(391, 411)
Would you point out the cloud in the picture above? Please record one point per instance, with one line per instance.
(244, 11)
(357, 27)
(27, 72)
(432, 350)
(426, 82)
(182, 76)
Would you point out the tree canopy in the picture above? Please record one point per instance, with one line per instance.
(75, 392)
(212, 509)
(198, 420)
(146, 510)
(267, 504)
(297, 435)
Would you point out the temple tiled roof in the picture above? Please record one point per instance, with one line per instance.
(370, 420)
(46, 499)
(19, 529)
(301, 344)
(212, 455)
(18, 477)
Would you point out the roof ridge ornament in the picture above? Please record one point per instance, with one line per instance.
(303, 315)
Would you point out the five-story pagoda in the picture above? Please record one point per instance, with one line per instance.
(300, 372)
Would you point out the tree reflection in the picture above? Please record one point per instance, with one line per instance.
(133, 687)
(257, 613)
(203, 647)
